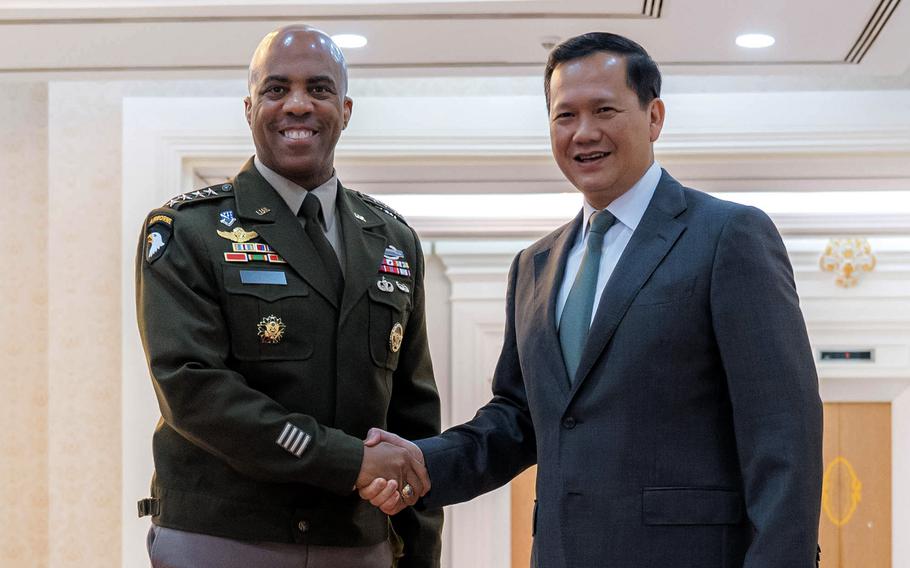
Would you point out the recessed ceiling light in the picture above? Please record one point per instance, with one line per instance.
(754, 41)
(349, 41)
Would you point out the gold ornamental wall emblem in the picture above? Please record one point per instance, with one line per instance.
(838, 469)
(395, 337)
(846, 257)
(271, 329)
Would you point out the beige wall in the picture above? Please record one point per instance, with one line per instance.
(23, 326)
(60, 412)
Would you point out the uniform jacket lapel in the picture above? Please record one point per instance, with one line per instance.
(364, 246)
(258, 202)
(549, 268)
(652, 240)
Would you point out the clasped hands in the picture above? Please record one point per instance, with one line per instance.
(393, 475)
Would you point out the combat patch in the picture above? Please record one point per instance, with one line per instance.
(158, 232)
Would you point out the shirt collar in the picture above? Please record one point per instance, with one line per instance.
(630, 207)
(294, 194)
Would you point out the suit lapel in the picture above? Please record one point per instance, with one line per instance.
(257, 201)
(652, 240)
(363, 248)
(549, 269)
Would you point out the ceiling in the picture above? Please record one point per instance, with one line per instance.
(832, 43)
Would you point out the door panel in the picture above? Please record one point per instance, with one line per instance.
(855, 524)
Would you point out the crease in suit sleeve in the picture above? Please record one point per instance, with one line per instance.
(184, 335)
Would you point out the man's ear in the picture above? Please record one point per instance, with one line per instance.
(656, 114)
(348, 107)
(248, 109)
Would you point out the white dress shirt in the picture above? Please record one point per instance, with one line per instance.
(293, 195)
(628, 209)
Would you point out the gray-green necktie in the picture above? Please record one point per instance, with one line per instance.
(576, 314)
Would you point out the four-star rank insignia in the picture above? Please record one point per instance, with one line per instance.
(157, 234)
(238, 235)
(271, 329)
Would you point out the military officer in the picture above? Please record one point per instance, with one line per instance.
(282, 316)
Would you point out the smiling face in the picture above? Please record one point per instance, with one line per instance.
(601, 137)
(297, 105)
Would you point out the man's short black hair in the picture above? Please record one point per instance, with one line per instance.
(642, 74)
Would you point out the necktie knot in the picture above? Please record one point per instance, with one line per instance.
(311, 208)
(601, 222)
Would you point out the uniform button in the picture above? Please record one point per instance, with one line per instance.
(569, 423)
(303, 526)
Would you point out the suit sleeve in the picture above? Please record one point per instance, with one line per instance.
(498, 443)
(773, 390)
(186, 341)
(414, 412)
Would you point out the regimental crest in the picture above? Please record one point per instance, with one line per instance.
(227, 218)
(158, 231)
(846, 257)
(238, 235)
(271, 329)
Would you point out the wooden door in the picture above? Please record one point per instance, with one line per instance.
(855, 524)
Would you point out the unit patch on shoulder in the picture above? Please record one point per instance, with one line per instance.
(381, 206)
(157, 235)
(211, 192)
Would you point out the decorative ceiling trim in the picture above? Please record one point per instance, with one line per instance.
(466, 65)
(333, 17)
(870, 33)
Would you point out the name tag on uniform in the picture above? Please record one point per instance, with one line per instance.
(263, 277)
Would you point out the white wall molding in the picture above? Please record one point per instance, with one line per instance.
(477, 272)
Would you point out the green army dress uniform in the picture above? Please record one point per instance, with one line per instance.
(268, 379)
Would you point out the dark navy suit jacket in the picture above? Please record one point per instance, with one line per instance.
(692, 437)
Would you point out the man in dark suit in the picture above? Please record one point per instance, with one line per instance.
(282, 316)
(655, 365)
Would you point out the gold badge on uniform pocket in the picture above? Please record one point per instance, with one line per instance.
(395, 337)
(271, 329)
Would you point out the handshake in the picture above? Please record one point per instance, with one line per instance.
(393, 475)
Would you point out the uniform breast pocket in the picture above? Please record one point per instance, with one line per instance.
(389, 313)
(266, 312)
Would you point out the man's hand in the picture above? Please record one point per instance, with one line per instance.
(383, 490)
